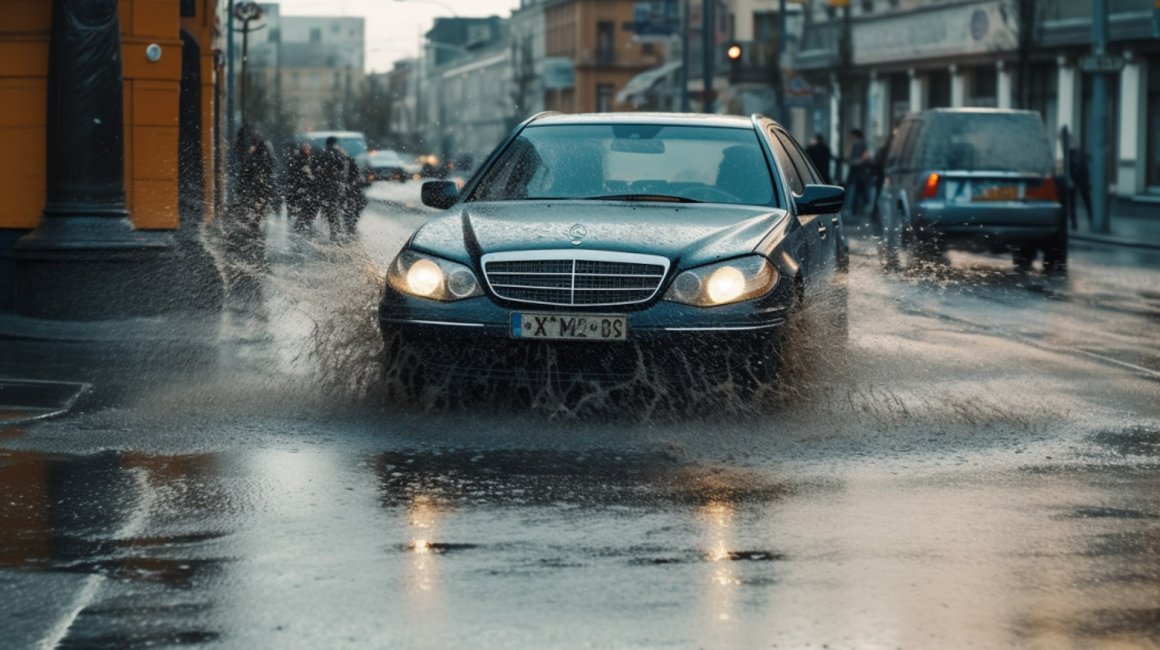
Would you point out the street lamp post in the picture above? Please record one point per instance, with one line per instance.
(247, 12)
(1097, 124)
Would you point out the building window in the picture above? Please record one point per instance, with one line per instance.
(984, 85)
(603, 98)
(648, 49)
(939, 91)
(315, 34)
(867, 6)
(605, 51)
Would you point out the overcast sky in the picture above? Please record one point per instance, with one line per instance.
(395, 27)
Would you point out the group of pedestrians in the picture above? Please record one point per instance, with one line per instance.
(326, 182)
(863, 168)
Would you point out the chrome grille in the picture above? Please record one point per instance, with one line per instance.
(574, 278)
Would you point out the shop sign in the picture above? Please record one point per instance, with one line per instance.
(1101, 63)
(951, 31)
(558, 73)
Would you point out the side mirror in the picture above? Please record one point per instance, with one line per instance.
(820, 199)
(440, 194)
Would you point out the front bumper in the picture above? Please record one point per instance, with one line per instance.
(473, 337)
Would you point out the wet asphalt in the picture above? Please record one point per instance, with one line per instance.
(979, 468)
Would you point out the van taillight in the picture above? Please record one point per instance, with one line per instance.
(1045, 191)
(930, 189)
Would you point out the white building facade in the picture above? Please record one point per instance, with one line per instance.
(916, 54)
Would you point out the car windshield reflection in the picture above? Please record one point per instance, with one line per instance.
(631, 162)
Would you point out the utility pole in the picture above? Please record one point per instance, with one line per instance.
(708, 50)
(781, 67)
(845, 74)
(683, 77)
(231, 126)
(247, 12)
(1098, 120)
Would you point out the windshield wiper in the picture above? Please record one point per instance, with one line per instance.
(642, 197)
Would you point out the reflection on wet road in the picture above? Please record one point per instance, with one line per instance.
(982, 471)
(446, 548)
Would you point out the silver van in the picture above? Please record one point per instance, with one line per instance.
(973, 178)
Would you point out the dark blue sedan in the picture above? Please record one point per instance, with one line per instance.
(586, 243)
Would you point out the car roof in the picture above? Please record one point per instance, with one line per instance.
(685, 119)
(337, 134)
(977, 110)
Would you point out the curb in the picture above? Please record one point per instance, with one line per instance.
(173, 328)
(1113, 240)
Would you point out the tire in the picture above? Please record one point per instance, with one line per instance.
(1055, 254)
(1024, 256)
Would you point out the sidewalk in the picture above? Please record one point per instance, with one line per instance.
(1133, 223)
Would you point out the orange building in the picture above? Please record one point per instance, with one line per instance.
(171, 87)
(597, 36)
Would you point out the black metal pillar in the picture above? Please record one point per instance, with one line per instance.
(85, 261)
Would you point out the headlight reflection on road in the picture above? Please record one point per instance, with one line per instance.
(718, 521)
(422, 517)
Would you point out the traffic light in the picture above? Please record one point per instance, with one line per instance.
(733, 53)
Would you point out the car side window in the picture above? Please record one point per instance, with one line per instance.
(805, 168)
(786, 163)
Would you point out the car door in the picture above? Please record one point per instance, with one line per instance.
(819, 229)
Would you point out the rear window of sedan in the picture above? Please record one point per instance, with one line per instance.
(588, 161)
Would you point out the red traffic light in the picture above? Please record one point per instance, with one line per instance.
(733, 52)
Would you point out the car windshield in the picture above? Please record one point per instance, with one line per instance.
(641, 161)
(977, 141)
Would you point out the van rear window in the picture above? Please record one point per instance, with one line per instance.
(1007, 142)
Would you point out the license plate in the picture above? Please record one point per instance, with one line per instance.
(997, 193)
(569, 327)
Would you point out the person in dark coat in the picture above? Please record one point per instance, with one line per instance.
(356, 198)
(1081, 180)
(860, 174)
(819, 154)
(333, 172)
(254, 191)
(302, 188)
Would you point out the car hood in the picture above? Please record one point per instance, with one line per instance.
(688, 234)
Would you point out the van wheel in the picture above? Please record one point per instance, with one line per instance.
(1024, 257)
(1055, 254)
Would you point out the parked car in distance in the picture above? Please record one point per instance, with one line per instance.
(977, 179)
(385, 165)
(353, 143)
(593, 235)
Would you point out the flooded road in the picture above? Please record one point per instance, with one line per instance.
(983, 470)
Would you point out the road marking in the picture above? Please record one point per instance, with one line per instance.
(88, 593)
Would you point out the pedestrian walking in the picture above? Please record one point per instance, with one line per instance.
(1080, 180)
(356, 198)
(878, 173)
(333, 172)
(302, 188)
(858, 177)
(254, 192)
(819, 154)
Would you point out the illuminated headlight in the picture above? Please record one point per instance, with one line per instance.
(723, 283)
(431, 277)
